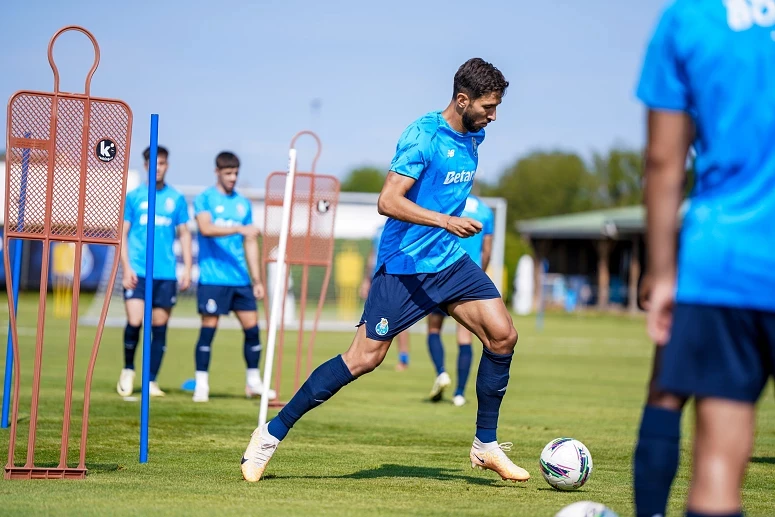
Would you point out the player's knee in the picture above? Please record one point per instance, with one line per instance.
(662, 399)
(504, 338)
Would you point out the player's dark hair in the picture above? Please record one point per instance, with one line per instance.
(476, 77)
(160, 151)
(226, 160)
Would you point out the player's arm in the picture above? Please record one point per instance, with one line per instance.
(486, 251)
(669, 138)
(129, 277)
(393, 203)
(206, 227)
(251, 257)
(184, 236)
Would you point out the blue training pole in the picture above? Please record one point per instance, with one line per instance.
(16, 279)
(151, 226)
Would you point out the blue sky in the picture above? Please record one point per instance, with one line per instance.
(243, 75)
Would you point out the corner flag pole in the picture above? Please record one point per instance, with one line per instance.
(148, 312)
(278, 296)
(16, 278)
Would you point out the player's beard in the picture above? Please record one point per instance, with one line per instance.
(469, 123)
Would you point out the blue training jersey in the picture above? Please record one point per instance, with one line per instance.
(171, 211)
(478, 210)
(444, 163)
(222, 259)
(715, 60)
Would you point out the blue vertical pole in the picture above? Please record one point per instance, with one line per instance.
(151, 226)
(16, 279)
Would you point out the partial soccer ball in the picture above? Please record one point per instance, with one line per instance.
(566, 463)
(586, 509)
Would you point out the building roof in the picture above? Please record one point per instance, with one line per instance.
(610, 222)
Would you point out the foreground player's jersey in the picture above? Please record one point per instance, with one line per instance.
(443, 162)
(222, 259)
(715, 60)
(171, 211)
(476, 209)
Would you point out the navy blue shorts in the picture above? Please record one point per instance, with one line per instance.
(396, 302)
(221, 299)
(165, 293)
(718, 352)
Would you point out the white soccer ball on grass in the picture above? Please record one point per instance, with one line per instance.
(586, 509)
(566, 464)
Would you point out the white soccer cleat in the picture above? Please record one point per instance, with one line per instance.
(256, 389)
(201, 393)
(126, 382)
(495, 459)
(154, 390)
(260, 450)
(439, 385)
(459, 400)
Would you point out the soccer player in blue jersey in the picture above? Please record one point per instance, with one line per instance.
(371, 270)
(171, 221)
(421, 266)
(708, 80)
(229, 275)
(478, 247)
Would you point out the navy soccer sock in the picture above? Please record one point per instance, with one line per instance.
(252, 347)
(203, 345)
(323, 383)
(656, 460)
(158, 346)
(131, 337)
(464, 356)
(436, 349)
(491, 382)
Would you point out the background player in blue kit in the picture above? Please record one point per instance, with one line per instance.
(229, 275)
(368, 274)
(421, 266)
(478, 247)
(171, 220)
(708, 80)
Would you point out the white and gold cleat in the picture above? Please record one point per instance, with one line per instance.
(154, 390)
(439, 385)
(260, 450)
(126, 380)
(495, 459)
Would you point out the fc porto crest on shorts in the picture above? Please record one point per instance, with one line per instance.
(382, 327)
(211, 306)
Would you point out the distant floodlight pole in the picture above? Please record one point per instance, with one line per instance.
(277, 297)
(148, 309)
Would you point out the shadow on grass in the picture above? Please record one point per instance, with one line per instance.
(403, 471)
(763, 460)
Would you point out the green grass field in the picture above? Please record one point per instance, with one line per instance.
(377, 448)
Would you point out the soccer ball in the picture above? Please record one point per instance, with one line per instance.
(566, 463)
(586, 509)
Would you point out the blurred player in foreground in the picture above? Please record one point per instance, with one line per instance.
(709, 80)
(478, 247)
(229, 275)
(421, 265)
(171, 220)
(371, 270)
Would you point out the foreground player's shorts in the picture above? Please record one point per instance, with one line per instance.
(396, 302)
(221, 299)
(165, 293)
(719, 352)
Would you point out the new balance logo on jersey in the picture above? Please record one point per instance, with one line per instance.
(459, 177)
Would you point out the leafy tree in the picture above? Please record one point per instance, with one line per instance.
(619, 176)
(364, 179)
